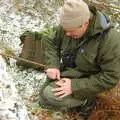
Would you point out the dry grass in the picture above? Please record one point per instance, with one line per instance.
(108, 105)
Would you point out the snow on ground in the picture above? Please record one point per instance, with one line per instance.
(11, 105)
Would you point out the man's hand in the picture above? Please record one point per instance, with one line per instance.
(53, 73)
(63, 89)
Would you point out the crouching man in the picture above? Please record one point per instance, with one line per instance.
(82, 58)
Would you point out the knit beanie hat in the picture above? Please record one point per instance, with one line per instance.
(74, 13)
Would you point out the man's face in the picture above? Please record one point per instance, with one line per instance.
(77, 32)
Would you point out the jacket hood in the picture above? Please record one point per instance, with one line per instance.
(100, 22)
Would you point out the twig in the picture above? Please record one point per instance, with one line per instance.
(23, 59)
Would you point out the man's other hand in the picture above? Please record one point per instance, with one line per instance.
(53, 73)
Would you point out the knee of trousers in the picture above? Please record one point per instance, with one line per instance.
(66, 102)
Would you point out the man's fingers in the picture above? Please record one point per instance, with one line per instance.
(58, 75)
(51, 75)
(62, 96)
(57, 89)
(63, 79)
(60, 83)
(59, 93)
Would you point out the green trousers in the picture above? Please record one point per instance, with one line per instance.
(47, 98)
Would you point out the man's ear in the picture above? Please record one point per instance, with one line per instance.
(87, 22)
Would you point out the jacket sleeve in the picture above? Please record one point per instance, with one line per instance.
(51, 50)
(109, 64)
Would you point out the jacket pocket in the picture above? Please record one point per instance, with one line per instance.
(85, 60)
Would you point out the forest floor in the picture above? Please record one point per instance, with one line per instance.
(24, 84)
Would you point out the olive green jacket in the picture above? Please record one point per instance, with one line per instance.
(97, 56)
